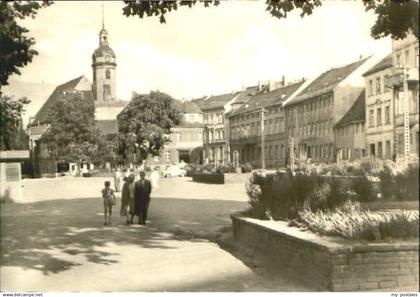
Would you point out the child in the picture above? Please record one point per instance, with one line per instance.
(109, 201)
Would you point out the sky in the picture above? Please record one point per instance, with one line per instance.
(199, 51)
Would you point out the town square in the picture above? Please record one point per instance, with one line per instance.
(209, 146)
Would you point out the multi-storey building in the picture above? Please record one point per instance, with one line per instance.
(214, 109)
(349, 132)
(379, 110)
(312, 114)
(186, 139)
(245, 127)
(405, 58)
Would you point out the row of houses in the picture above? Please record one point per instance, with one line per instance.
(346, 113)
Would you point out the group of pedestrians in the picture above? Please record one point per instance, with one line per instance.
(135, 198)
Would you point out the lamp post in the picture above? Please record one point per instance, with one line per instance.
(406, 116)
(262, 138)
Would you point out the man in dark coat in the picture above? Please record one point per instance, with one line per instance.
(142, 191)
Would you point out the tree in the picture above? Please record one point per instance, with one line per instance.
(12, 135)
(145, 123)
(395, 18)
(72, 136)
(15, 47)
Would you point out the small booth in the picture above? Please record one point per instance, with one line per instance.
(11, 174)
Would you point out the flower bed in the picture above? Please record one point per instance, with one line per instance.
(331, 263)
(209, 178)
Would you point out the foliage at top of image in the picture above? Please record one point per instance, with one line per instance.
(16, 47)
(395, 18)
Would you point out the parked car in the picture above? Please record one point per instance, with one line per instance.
(174, 171)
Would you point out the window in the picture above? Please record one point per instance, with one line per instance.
(378, 85)
(357, 127)
(379, 117)
(370, 88)
(380, 149)
(407, 57)
(387, 115)
(107, 74)
(398, 60)
(107, 93)
(400, 138)
(167, 156)
(372, 150)
(388, 149)
(417, 57)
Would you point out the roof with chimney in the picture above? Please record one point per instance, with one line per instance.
(107, 126)
(217, 101)
(189, 107)
(79, 84)
(265, 99)
(327, 81)
(356, 112)
(383, 64)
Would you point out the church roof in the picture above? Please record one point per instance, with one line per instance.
(103, 51)
(79, 84)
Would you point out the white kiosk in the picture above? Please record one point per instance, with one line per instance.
(11, 174)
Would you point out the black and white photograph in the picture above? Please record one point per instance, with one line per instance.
(226, 146)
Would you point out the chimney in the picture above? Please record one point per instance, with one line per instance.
(283, 80)
(259, 85)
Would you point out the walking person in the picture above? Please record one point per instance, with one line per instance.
(142, 191)
(117, 179)
(127, 199)
(154, 178)
(109, 201)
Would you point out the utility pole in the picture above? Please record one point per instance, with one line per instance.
(406, 117)
(262, 138)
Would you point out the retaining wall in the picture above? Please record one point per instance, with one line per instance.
(332, 264)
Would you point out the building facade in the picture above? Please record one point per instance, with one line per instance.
(214, 108)
(186, 139)
(379, 110)
(313, 113)
(246, 128)
(405, 57)
(349, 132)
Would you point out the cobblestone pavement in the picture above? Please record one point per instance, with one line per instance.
(57, 242)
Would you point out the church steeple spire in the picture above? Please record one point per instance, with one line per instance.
(103, 16)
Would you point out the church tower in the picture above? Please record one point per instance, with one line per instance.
(104, 71)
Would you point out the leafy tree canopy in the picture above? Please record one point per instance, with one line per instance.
(15, 47)
(11, 131)
(72, 135)
(145, 122)
(395, 18)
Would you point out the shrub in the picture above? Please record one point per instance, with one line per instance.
(247, 167)
(363, 188)
(226, 168)
(283, 195)
(209, 178)
(349, 221)
(397, 185)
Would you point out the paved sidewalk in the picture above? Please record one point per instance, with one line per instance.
(61, 245)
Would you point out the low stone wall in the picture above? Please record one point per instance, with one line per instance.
(332, 264)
